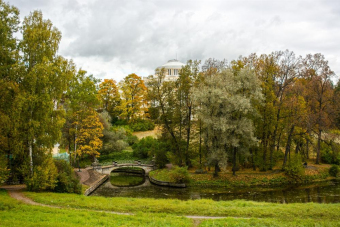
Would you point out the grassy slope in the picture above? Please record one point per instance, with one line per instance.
(152, 212)
(266, 213)
(14, 213)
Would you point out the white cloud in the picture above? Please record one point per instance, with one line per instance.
(111, 39)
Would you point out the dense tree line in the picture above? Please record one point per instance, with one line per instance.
(251, 112)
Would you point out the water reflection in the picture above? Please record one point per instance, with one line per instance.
(126, 179)
(326, 192)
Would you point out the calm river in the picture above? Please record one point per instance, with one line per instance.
(118, 186)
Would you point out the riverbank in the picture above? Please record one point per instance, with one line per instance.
(251, 178)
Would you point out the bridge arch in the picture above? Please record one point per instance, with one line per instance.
(108, 169)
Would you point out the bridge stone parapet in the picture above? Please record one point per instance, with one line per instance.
(108, 169)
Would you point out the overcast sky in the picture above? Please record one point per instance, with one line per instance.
(113, 38)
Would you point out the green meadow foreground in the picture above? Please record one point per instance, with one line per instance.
(79, 210)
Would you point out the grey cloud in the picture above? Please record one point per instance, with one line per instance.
(145, 34)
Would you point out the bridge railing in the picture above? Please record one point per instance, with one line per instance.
(146, 162)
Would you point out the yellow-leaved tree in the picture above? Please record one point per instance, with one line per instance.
(90, 130)
(133, 97)
(109, 96)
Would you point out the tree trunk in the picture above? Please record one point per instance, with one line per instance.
(318, 148)
(289, 142)
(217, 169)
(200, 147)
(188, 137)
(31, 156)
(234, 161)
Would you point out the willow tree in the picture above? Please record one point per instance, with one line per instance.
(226, 109)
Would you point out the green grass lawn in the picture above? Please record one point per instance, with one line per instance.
(14, 213)
(266, 213)
(160, 212)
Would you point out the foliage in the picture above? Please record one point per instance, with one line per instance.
(294, 169)
(179, 175)
(131, 140)
(330, 153)
(334, 171)
(226, 101)
(114, 140)
(4, 172)
(133, 97)
(44, 176)
(66, 179)
(174, 175)
(109, 96)
(117, 156)
(141, 125)
(88, 138)
(143, 149)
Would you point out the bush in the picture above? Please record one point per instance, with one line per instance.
(131, 140)
(142, 125)
(179, 175)
(4, 172)
(44, 176)
(116, 156)
(66, 179)
(143, 148)
(294, 168)
(334, 171)
(114, 140)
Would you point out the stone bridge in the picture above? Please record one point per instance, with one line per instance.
(108, 169)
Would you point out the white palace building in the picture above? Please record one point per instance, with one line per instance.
(172, 68)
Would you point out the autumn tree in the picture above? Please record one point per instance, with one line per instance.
(133, 102)
(316, 71)
(109, 96)
(81, 96)
(88, 137)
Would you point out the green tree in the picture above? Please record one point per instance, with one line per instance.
(226, 111)
(43, 84)
(162, 93)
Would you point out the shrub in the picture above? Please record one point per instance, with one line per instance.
(131, 140)
(4, 172)
(334, 171)
(294, 168)
(142, 125)
(66, 179)
(44, 176)
(114, 140)
(179, 175)
(116, 156)
(143, 148)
